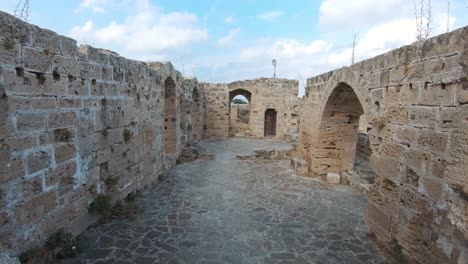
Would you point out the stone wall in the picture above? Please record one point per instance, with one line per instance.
(415, 100)
(264, 93)
(71, 119)
(216, 111)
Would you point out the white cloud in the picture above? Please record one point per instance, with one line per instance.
(81, 32)
(360, 13)
(229, 38)
(229, 20)
(97, 6)
(284, 48)
(271, 16)
(149, 31)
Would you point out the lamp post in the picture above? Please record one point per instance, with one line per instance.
(273, 62)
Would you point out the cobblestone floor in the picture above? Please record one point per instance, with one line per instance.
(233, 211)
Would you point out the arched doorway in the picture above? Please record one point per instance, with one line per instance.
(195, 114)
(170, 116)
(270, 123)
(183, 121)
(338, 132)
(239, 113)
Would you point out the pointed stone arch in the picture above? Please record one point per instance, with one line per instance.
(338, 132)
(233, 116)
(170, 116)
(195, 114)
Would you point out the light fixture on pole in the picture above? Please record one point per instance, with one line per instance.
(273, 62)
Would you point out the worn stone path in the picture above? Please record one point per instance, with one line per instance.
(238, 211)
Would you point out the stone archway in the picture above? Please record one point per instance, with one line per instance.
(236, 125)
(170, 116)
(183, 119)
(195, 114)
(338, 132)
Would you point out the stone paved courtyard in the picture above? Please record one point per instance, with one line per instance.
(237, 211)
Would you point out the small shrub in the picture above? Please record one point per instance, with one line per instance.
(398, 253)
(59, 239)
(127, 134)
(102, 206)
(124, 210)
(131, 197)
(9, 43)
(28, 255)
(112, 182)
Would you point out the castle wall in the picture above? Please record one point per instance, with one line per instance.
(72, 118)
(415, 102)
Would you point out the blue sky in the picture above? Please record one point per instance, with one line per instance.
(224, 41)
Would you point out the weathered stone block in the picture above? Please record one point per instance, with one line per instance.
(37, 60)
(61, 119)
(438, 166)
(29, 122)
(398, 74)
(378, 217)
(30, 187)
(104, 155)
(64, 153)
(66, 67)
(20, 143)
(433, 140)
(69, 103)
(79, 87)
(419, 160)
(405, 134)
(333, 178)
(396, 114)
(431, 187)
(35, 208)
(386, 168)
(391, 150)
(17, 103)
(422, 116)
(408, 94)
(10, 168)
(53, 87)
(108, 118)
(107, 72)
(90, 71)
(38, 161)
(62, 175)
(437, 94)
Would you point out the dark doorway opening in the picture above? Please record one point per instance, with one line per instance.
(270, 123)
